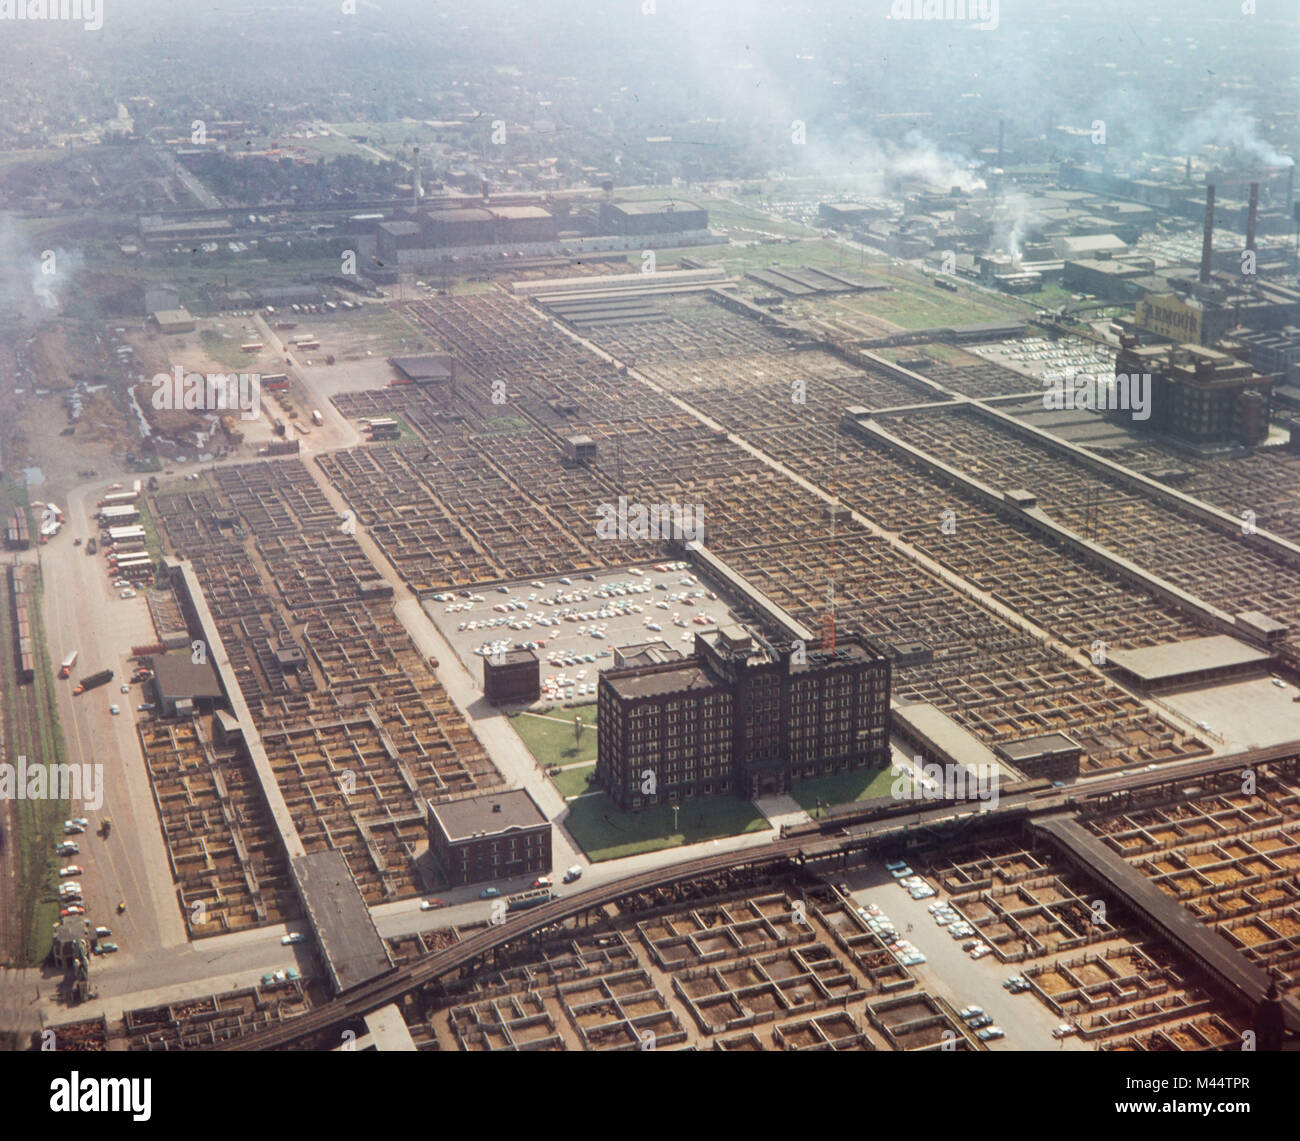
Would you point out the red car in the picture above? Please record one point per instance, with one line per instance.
(75, 909)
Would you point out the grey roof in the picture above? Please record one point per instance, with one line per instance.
(1217, 651)
(426, 365)
(956, 744)
(461, 819)
(686, 678)
(348, 938)
(661, 206)
(1043, 745)
(177, 676)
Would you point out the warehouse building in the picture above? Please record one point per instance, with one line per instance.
(1196, 662)
(741, 718)
(1050, 756)
(428, 368)
(172, 320)
(180, 685)
(494, 837)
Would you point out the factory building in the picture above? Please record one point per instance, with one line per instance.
(739, 717)
(646, 219)
(1200, 396)
(495, 837)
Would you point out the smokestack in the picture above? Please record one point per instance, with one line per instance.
(1250, 218)
(1002, 129)
(1207, 242)
(1187, 171)
(416, 191)
(1290, 184)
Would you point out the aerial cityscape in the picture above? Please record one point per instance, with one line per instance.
(765, 525)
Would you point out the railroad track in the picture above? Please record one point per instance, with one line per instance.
(21, 716)
(793, 850)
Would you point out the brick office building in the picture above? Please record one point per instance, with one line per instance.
(498, 836)
(739, 718)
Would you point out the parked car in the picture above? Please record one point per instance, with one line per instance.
(542, 881)
(72, 909)
(108, 948)
(102, 932)
(70, 870)
(67, 848)
(1064, 1030)
(432, 904)
(989, 1033)
(292, 937)
(489, 893)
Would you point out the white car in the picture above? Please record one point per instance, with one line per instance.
(114, 710)
(292, 937)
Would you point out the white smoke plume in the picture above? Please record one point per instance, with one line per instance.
(1227, 124)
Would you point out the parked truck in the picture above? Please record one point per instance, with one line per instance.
(91, 546)
(317, 418)
(65, 669)
(93, 681)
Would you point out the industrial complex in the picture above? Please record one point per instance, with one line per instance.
(532, 572)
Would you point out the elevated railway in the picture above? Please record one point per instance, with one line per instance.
(831, 839)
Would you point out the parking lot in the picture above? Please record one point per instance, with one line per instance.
(943, 968)
(574, 623)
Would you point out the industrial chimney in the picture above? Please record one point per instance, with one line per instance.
(417, 191)
(1002, 131)
(1207, 241)
(1250, 217)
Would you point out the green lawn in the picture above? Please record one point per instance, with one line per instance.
(576, 781)
(843, 788)
(605, 834)
(551, 741)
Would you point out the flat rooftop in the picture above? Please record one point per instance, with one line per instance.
(686, 678)
(1197, 655)
(177, 675)
(658, 206)
(428, 366)
(510, 658)
(1040, 746)
(957, 745)
(493, 813)
(349, 942)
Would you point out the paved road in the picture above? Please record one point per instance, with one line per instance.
(950, 972)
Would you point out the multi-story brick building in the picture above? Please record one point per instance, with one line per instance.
(1200, 395)
(497, 836)
(740, 718)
